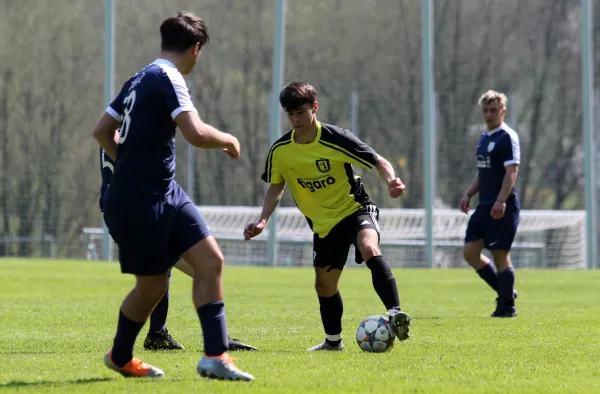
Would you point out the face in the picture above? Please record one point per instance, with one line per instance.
(303, 117)
(190, 58)
(493, 114)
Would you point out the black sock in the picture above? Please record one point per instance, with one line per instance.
(384, 282)
(158, 318)
(332, 309)
(488, 273)
(506, 285)
(127, 332)
(214, 328)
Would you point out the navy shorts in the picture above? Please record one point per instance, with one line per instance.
(152, 233)
(333, 250)
(497, 234)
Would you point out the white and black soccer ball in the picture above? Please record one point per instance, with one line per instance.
(374, 334)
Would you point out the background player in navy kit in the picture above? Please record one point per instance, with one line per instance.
(158, 337)
(148, 214)
(315, 161)
(494, 223)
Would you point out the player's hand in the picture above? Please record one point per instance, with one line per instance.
(498, 210)
(233, 150)
(464, 204)
(396, 187)
(254, 229)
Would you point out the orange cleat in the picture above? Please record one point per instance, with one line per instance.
(134, 368)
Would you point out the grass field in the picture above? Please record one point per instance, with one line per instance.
(57, 319)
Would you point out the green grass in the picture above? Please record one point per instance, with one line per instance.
(57, 319)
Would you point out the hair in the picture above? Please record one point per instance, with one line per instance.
(490, 96)
(181, 31)
(296, 94)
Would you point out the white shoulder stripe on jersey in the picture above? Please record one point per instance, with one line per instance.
(516, 147)
(109, 110)
(180, 87)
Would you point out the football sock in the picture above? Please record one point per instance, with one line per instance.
(158, 318)
(214, 328)
(506, 284)
(384, 282)
(332, 309)
(127, 331)
(488, 274)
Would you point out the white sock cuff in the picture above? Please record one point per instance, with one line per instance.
(334, 338)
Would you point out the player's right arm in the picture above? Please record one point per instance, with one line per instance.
(472, 190)
(107, 134)
(270, 202)
(205, 136)
(276, 182)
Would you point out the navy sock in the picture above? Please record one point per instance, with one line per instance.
(332, 309)
(214, 328)
(488, 273)
(158, 318)
(127, 332)
(384, 282)
(506, 285)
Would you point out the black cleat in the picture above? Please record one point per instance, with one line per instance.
(235, 345)
(506, 310)
(400, 322)
(509, 311)
(161, 340)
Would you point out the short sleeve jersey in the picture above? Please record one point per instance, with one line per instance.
(320, 175)
(147, 106)
(496, 149)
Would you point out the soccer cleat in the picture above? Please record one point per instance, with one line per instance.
(161, 340)
(509, 311)
(221, 367)
(134, 368)
(236, 345)
(400, 323)
(505, 310)
(327, 347)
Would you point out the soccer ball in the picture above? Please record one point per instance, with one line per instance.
(374, 334)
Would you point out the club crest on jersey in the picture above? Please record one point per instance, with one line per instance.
(323, 165)
(491, 146)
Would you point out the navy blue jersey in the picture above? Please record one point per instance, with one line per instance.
(495, 150)
(146, 107)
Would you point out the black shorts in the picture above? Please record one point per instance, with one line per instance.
(152, 233)
(333, 250)
(497, 234)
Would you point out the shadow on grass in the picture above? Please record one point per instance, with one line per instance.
(19, 383)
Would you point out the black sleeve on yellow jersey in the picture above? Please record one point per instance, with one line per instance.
(349, 144)
(272, 173)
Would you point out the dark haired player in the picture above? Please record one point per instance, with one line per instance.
(149, 216)
(315, 160)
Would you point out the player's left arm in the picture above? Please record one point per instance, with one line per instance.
(106, 133)
(511, 154)
(386, 172)
(359, 153)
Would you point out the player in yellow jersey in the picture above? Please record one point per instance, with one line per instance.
(315, 160)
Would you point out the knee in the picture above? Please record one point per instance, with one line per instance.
(153, 288)
(324, 289)
(369, 251)
(471, 254)
(214, 264)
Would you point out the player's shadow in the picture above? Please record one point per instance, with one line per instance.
(20, 383)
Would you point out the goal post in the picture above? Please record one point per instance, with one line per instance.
(545, 238)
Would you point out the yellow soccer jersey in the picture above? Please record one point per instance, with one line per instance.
(320, 175)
